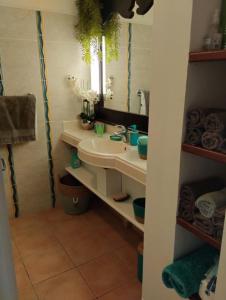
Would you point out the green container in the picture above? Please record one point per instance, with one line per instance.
(140, 260)
(139, 209)
(143, 146)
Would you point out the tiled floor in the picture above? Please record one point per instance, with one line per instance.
(86, 257)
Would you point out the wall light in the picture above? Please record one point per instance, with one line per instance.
(95, 71)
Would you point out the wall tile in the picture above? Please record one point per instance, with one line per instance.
(59, 27)
(17, 24)
(19, 51)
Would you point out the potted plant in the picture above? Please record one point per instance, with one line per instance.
(92, 27)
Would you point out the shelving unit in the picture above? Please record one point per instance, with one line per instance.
(199, 233)
(217, 156)
(219, 55)
(125, 209)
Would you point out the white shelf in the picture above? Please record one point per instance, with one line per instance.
(125, 209)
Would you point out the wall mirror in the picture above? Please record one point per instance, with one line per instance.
(126, 82)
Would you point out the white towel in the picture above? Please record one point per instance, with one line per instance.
(208, 203)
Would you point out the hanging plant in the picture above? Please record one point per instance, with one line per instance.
(90, 29)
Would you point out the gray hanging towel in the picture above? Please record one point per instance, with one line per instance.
(17, 119)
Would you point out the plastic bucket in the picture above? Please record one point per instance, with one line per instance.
(139, 209)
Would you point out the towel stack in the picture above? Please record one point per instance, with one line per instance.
(208, 285)
(180, 275)
(203, 203)
(207, 128)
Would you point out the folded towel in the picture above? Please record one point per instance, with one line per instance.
(208, 203)
(186, 274)
(215, 122)
(191, 191)
(194, 136)
(17, 119)
(212, 140)
(195, 118)
(204, 224)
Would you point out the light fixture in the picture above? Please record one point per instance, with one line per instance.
(95, 70)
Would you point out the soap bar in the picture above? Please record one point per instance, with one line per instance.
(120, 197)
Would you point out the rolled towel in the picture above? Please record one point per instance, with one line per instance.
(208, 203)
(191, 191)
(219, 217)
(194, 136)
(195, 118)
(223, 146)
(212, 140)
(215, 122)
(186, 274)
(204, 224)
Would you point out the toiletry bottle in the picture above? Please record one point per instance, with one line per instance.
(213, 40)
(75, 162)
(133, 135)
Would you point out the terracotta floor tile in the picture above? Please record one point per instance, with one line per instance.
(105, 274)
(128, 255)
(22, 278)
(128, 292)
(56, 215)
(69, 285)
(50, 263)
(16, 254)
(89, 247)
(35, 242)
(74, 229)
(25, 224)
(27, 294)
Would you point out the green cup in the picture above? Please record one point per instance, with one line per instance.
(99, 128)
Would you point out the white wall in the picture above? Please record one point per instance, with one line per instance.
(61, 6)
(169, 58)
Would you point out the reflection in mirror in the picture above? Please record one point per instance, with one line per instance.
(127, 81)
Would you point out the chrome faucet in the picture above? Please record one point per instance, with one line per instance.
(122, 131)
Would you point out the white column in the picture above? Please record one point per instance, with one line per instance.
(170, 49)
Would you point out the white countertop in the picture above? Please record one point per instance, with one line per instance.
(129, 162)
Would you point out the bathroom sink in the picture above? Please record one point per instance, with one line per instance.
(102, 146)
(100, 152)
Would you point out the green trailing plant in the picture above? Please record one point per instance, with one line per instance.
(90, 30)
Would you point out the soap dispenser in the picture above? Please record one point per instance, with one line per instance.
(133, 135)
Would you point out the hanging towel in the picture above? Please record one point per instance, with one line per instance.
(208, 203)
(17, 119)
(186, 274)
